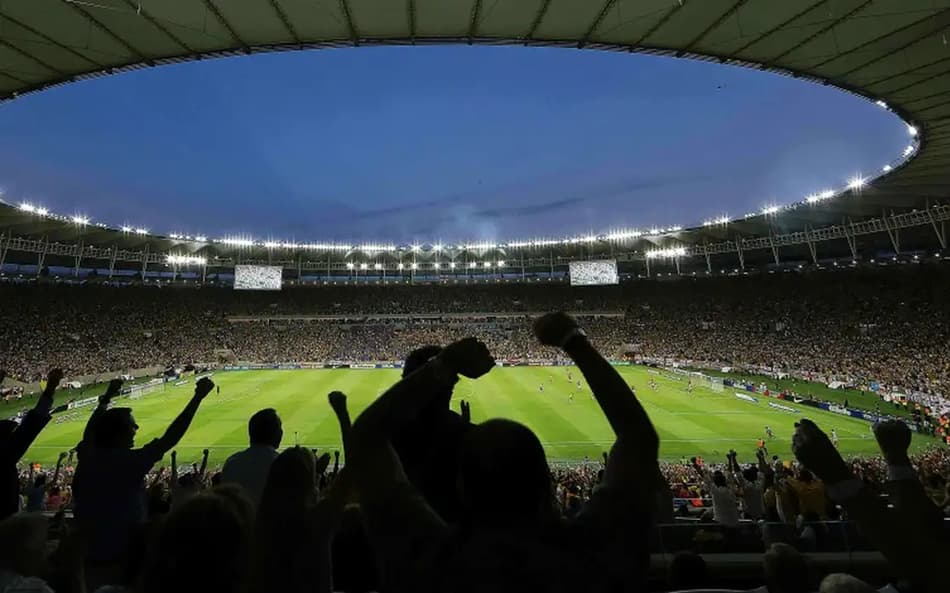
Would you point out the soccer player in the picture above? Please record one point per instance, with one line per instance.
(579, 388)
(689, 386)
(571, 397)
(541, 388)
(834, 437)
(653, 384)
(769, 433)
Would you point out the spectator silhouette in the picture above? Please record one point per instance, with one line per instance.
(109, 484)
(510, 538)
(248, 468)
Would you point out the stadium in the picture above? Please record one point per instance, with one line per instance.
(743, 342)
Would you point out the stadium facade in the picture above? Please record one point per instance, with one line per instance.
(891, 52)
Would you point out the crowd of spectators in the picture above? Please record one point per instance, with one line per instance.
(422, 499)
(885, 329)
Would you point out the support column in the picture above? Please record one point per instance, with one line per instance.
(811, 245)
(112, 258)
(708, 258)
(676, 260)
(144, 262)
(849, 235)
(648, 267)
(741, 253)
(939, 229)
(4, 246)
(893, 233)
(773, 246)
(78, 259)
(42, 256)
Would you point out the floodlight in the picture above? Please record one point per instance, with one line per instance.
(378, 266)
(349, 265)
(856, 182)
(364, 266)
(27, 207)
(415, 266)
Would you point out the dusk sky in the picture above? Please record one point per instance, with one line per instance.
(434, 144)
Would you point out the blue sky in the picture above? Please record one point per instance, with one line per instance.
(434, 143)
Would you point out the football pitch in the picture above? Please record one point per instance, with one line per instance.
(705, 422)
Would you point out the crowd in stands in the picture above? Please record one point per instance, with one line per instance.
(883, 328)
(426, 500)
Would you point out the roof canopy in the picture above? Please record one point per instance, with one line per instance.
(893, 51)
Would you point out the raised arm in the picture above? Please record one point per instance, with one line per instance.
(176, 430)
(174, 478)
(34, 421)
(895, 533)
(204, 465)
(59, 466)
(636, 437)
(115, 386)
(338, 403)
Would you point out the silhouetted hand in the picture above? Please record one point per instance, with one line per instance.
(115, 386)
(337, 401)
(203, 387)
(53, 378)
(814, 450)
(554, 328)
(322, 462)
(466, 411)
(63, 456)
(893, 437)
(204, 453)
(468, 357)
(336, 456)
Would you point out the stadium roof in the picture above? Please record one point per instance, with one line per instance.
(894, 52)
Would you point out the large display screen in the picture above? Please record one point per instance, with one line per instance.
(594, 273)
(257, 277)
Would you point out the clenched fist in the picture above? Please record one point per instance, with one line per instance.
(554, 328)
(468, 357)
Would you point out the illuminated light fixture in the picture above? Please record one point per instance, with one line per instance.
(42, 211)
(378, 266)
(912, 130)
(364, 266)
(452, 265)
(349, 265)
(126, 229)
(676, 228)
(399, 266)
(415, 266)
(723, 220)
(271, 244)
(666, 253)
(825, 194)
(80, 220)
(501, 263)
(770, 210)
(881, 104)
(27, 207)
(435, 266)
(186, 259)
(437, 247)
(909, 150)
(487, 264)
(237, 242)
(857, 182)
(201, 238)
(416, 248)
(887, 168)
(141, 231)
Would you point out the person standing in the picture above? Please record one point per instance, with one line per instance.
(248, 468)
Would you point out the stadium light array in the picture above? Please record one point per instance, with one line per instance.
(768, 210)
(349, 265)
(400, 266)
(27, 207)
(472, 264)
(487, 264)
(912, 130)
(141, 231)
(857, 182)
(377, 266)
(186, 260)
(435, 266)
(501, 263)
(80, 220)
(415, 266)
(887, 168)
(364, 266)
(452, 265)
(909, 150)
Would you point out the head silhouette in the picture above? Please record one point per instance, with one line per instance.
(504, 477)
(115, 429)
(265, 428)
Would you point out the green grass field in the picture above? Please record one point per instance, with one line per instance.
(705, 422)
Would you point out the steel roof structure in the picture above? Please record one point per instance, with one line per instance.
(894, 52)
